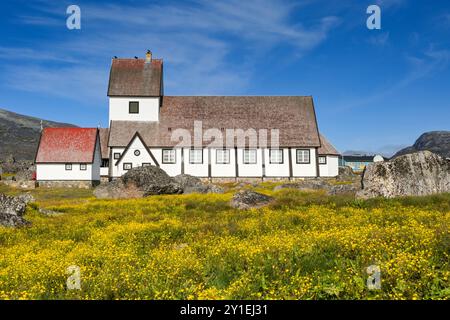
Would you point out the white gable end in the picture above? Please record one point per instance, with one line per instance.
(135, 155)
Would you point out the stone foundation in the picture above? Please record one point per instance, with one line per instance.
(20, 184)
(104, 179)
(68, 184)
(253, 179)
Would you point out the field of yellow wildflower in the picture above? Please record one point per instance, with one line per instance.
(306, 245)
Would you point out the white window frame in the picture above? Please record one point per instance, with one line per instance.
(126, 164)
(247, 158)
(169, 156)
(117, 155)
(222, 156)
(274, 158)
(303, 156)
(194, 156)
(68, 167)
(324, 158)
(83, 166)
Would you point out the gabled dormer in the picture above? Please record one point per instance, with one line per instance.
(135, 89)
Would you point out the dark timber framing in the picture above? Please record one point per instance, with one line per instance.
(236, 162)
(209, 164)
(317, 163)
(291, 174)
(263, 161)
(182, 160)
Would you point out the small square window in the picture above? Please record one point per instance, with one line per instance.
(222, 156)
(249, 156)
(68, 166)
(168, 156)
(133, 107)
(276, 156)
(303, 156)
(322, 160)
(83, 166)
(196, 156)
(105, 163)
(127, 166)
(116, 155)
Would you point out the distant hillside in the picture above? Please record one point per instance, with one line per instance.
(19, 134)
(434, 141)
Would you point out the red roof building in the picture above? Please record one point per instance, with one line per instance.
(67, 145)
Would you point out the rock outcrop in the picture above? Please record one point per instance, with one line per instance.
(346, 174)
(417, 174)
(325, 185)
(12, 210)
(151, 180)
(137, 183)
(191, 184)
(246, 199)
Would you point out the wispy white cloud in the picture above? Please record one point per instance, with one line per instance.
(421, 66)
(42, 21)
(379, 40)
(75, 83)
(33, 55)
(195, 40)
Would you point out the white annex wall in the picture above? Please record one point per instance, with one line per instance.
(119, 109)
(130, 157)
(277, 169)
(304, 169)
(58, 172)
(112, 161)
(198, 170)
(223, 169)
(172, 169)
(331, 168)
(250, 170)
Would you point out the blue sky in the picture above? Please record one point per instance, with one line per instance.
(374, 90)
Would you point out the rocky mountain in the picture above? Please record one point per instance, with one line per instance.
(434, 141)
(19, 134)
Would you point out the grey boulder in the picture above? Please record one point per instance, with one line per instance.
(191, 184)
(12, 210)
(137, 183)
(416, 174)
(247, 199)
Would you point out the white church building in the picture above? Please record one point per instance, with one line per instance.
(211, 137)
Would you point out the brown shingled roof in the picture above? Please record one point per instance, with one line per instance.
(327, 148)
(293, 116)
(104, 136)
(135, 78)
